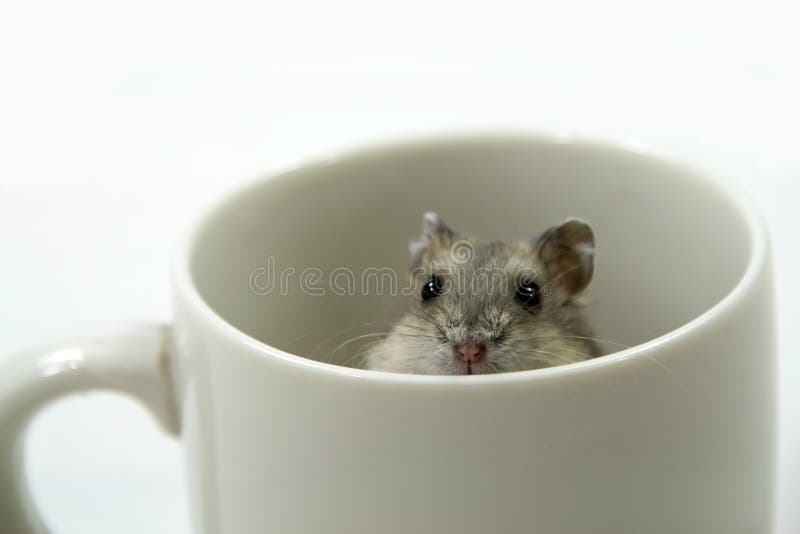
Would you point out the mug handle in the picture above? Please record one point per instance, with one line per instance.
(128, 358)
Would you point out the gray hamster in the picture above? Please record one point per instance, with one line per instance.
(494, 307)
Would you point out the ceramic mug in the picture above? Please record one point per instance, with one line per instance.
(672, 431)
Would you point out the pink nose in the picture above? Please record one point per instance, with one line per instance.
(470, 352)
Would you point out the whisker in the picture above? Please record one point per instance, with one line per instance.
(318, 330)
(600, 340)
(544, 352)
(412, 327)
(358, 359)
(664, 367)
(356, 338)
(338, 333)
(411, 335)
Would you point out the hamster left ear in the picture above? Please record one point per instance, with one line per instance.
(567, 253)
(434, 229)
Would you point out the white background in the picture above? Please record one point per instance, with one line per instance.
(119, 121)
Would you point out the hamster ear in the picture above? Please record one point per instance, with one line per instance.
(567, 252)
(433, 229)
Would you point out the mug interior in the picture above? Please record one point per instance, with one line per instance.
(670, 243)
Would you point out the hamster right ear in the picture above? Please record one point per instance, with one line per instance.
(434, 230)
(567, 252)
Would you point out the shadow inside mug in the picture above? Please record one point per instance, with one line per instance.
(315, 261)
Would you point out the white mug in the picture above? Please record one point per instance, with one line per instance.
(673, 431)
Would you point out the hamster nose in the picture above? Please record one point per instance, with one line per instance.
(470, 352)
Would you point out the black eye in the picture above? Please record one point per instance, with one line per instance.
(432, 288)
(528, 295)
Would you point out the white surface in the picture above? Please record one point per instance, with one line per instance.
(118, 122)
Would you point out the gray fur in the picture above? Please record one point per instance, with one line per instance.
(479, 304)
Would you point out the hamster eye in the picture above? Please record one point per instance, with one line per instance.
(528, 295)
(432, 288)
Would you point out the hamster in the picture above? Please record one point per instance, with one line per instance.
(496, 307)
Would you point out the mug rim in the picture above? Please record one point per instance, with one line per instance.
(184, 284)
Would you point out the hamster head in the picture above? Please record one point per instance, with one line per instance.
(492, 307)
